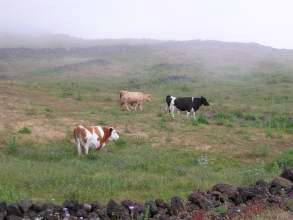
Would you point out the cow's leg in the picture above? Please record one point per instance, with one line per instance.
(127, 107)
(135, 107)
(172, 108)
(86, 148)
(140, 106)
(187, 114)
(78, 146)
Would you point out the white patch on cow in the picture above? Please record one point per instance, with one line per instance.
(114, 135)
(172, 100)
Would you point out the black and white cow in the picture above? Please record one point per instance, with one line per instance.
(188, 104)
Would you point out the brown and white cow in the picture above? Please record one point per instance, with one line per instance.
(135, 99)
(93, 137)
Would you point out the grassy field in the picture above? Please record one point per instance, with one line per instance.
(245, 134)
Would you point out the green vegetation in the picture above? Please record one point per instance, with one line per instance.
(25, 130)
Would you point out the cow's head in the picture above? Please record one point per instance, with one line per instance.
(113, 135)
(148, 97)
(204, 101)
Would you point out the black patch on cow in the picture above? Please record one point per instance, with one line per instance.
(190, 103)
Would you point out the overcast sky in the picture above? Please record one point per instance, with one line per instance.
(268, 22)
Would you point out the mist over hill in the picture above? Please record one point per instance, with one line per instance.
(22, 54)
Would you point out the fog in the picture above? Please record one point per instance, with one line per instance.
(261, 21)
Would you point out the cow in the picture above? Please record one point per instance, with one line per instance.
(96, 137)
(188, 104)
(135, 99)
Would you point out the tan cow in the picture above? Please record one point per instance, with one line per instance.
(93, 137)
(135, 99)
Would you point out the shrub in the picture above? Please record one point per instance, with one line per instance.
(221, 210)
(25, 130)
(12, 146)
(102, 122)
(121, 143)
(200, 119)
(280, 122)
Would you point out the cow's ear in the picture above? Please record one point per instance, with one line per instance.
(111, 129)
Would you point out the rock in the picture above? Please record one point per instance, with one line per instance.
(13, 217)
(279, 185)
(176, 205)
(199, 199)
(38, 207)
(25, 205)
(114, 210)
(30, 215)
(218, 196)
(3, 210)
(153, 209)
(72, 205)
(81, 213)
(161, 204)
(102, 213)
(96, 206)
(288, 174)
(246, 194)
(93, 216)
(229, 190)
(128, 204)
(3, 206)
(87, 207)
(13, 210)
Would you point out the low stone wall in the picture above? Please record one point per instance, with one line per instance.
(222, 201)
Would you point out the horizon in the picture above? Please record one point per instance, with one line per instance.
(138, 39)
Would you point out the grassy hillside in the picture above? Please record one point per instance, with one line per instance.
(246, 134)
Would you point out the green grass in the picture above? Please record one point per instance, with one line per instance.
(122, 170)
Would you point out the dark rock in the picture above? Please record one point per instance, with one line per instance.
(246, 194)
(3, 206)
(114, 210)
(153, 209)
(3, 215)
(218, 196)
(127, 203)
(13, 210)
(3, 210)
(161, 204)
(93, 216)
(25, 205)
(81, 213)
(279, 185)
(87, 207)
(288, 174)
(102, 212)
(38, 207)
(13, 217)
(199, 199)
(31, 215)
(96, 206)
(230, 191)
(72, 205)
(176, 205)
